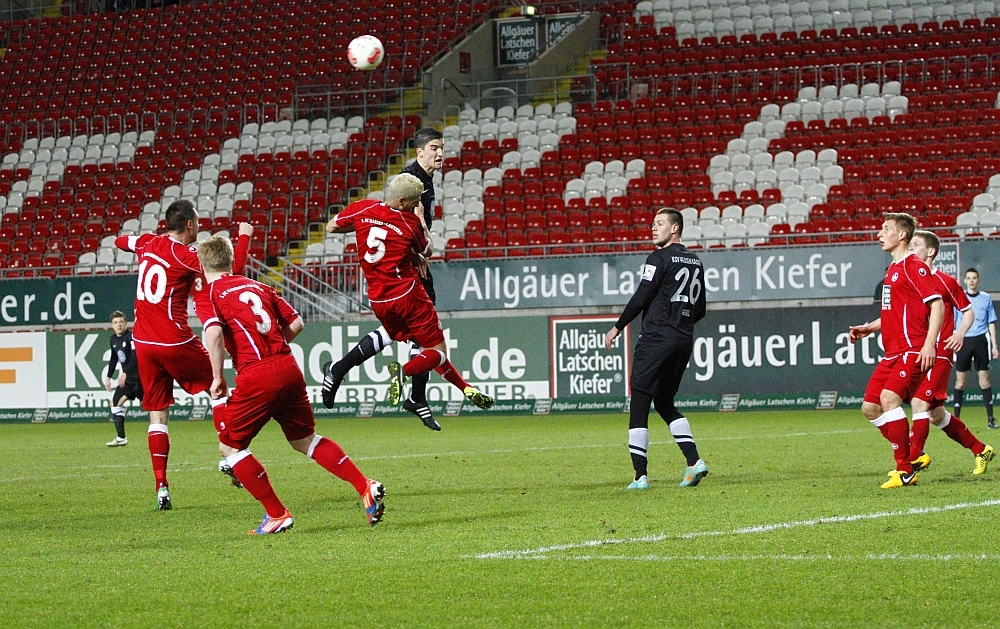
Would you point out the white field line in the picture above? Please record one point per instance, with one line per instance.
(88, 470)
(942, 557)
(749, 530)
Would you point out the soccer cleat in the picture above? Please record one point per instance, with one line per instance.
(163, 499)
(374, 501)
(478, 398)
(271, 525)
(330, 385)
(227, 469)
(640, 483)
(694, 473)
(423, 411)
(922, 462)
(900, 479)
(117, 441)
(992, 424)
(983, 459)
(396, 380)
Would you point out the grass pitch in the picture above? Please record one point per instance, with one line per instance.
(505, 522)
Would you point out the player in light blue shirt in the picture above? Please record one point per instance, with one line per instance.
(980, 345)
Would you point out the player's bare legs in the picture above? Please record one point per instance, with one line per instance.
(159, 449)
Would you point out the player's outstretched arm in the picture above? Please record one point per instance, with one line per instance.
(333, 228)
(858, 332)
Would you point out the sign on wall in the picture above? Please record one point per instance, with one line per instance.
(517, 40)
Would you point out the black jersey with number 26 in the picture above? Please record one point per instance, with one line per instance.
(670, 296)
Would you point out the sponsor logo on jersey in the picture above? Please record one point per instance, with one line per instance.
(886, 297)
(648, 271)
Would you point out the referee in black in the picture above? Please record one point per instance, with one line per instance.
(671, 298)
(128, 387)
(429, 144)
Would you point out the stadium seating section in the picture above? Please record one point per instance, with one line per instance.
(768, 122)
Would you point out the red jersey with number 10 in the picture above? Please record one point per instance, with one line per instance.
(386, 238)
(167, 269)
(954, 297)
(907, 290)
(252, 317)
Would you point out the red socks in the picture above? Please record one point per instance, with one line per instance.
(332, 458)
(433, 359)
(918, 434)
(896, 430)
(956, 429)
(424, 361)
(252, 474)
(159, 448)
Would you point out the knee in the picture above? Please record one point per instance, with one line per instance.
(227, 451)
(871, 410)
(919, 406)
(889, 400)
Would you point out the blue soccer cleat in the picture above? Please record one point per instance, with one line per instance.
(274, 525)
(640, 483)
(374, 501)
(694, 474)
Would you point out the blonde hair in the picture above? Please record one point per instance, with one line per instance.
(216, 254)
(404, 186)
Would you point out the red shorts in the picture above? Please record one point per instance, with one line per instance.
(274, 387)
(901, 375)
(161, 365)
(933, 388)
(411, 317)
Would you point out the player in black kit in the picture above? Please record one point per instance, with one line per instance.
(429, 144)
(671, 298)
(128, 386)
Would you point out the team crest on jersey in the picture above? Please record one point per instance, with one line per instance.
(927, 392)
(648, 271)
(922, 271)
(902, 374)
(895, 276)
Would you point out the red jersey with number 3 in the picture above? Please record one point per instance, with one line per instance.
(199, 290)
(954, 297)
(167, 269)
(252, 316)
(386, 238)
(907, 290)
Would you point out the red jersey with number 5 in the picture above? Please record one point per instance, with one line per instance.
(907, 290)
(954, 297)
(253, 318)
(386, 238)
(167, 269)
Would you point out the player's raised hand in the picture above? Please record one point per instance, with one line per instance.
(219, 388)
(245, 229)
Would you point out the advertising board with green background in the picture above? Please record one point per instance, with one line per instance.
(743, 359)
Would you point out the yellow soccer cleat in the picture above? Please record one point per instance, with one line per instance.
(900, 479)
(396, 380)
(983, 459)
(922, 462)
(478, 398)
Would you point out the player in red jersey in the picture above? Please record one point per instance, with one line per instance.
(392, 240)
(928, 401)
(912, 314)
(166, 348)
(254, 324)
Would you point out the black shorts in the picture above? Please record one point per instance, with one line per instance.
(974, 349)
(132, 389)
(658, 366)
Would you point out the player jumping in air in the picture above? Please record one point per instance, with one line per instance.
(671, 299)
(912, 316)
(392, 240)
(255, 325)
(166, 348)
(430, 154)
(128, 385)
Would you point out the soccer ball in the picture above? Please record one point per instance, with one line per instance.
(365, 52)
